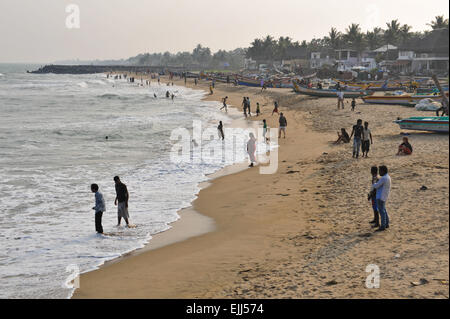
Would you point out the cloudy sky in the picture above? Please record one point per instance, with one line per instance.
(36, 30)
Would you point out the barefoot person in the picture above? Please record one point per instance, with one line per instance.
(383, 187)
(275, 107)
(265, 128)
(342, 137)
(251, 149)
(99, 208)
(367, 139)
(224, 101)
(258, 110)
(283, 124)
(357, 133)
(373, 198)
(340, 95)
(405, 148)
(220, 130)
(121, 201)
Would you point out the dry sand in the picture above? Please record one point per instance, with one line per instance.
(303, 232)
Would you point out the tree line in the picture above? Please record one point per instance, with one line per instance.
(271, 49)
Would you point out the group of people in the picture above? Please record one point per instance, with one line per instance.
(121, 202)
(362, 138)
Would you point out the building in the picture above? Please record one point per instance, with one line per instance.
(319, 59)
(346, 59)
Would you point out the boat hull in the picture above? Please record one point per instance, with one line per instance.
(431, 124)
(410, 100)
(326, 93)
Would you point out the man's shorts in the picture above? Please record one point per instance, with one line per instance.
(365, 146)
(122, 210)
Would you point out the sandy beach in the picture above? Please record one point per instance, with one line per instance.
(304, 231)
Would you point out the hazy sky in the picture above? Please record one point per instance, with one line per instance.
(35, 30)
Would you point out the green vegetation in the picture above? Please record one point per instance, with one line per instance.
(269, 49)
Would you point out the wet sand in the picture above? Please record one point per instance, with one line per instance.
(303, 232)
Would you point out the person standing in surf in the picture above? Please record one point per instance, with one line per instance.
(121, 201)
(99, 208)
(251, 149)
(220, 129)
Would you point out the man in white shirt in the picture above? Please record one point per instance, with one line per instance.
(383, 187)
(366, 139)
(340, 95)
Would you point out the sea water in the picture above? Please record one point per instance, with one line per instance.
(53, 145)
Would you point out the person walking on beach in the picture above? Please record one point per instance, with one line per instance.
(340, 95)
(275, 107)
(121, 201)
(244, 105)
(211, 92)
(373, 198)
(357, 136)
(283, 124)
(99, 208)
(353, 104)
(248, 106)
(383, 188)
(258, 110)
(265, 128)
(224, 101)
(367, 139)
(251, 149)
(220, 129)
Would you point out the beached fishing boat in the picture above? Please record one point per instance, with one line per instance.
(400, 99)
(327, 92)
(418, 123)
(272, 83)
(371, 85)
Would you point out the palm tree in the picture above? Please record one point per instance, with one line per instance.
(392, 32)
(353, 32)
(269, 48)
(374, 38)
(334, 38)
(405, 33)
(439, 23)
(355, 39)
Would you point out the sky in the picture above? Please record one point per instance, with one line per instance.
(42, 31)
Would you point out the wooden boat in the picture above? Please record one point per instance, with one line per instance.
(273, 83)
(327, 92)
(400, 99)
(371, 85)
(432, 123)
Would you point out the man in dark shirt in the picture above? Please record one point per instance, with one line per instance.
(121, 201)
(357, 132)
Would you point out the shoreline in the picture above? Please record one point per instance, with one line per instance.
(290, 234)
(190, 223)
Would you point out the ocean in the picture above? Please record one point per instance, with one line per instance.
(53, 145)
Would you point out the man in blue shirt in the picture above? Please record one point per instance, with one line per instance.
(99, 208)
(383, 187)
